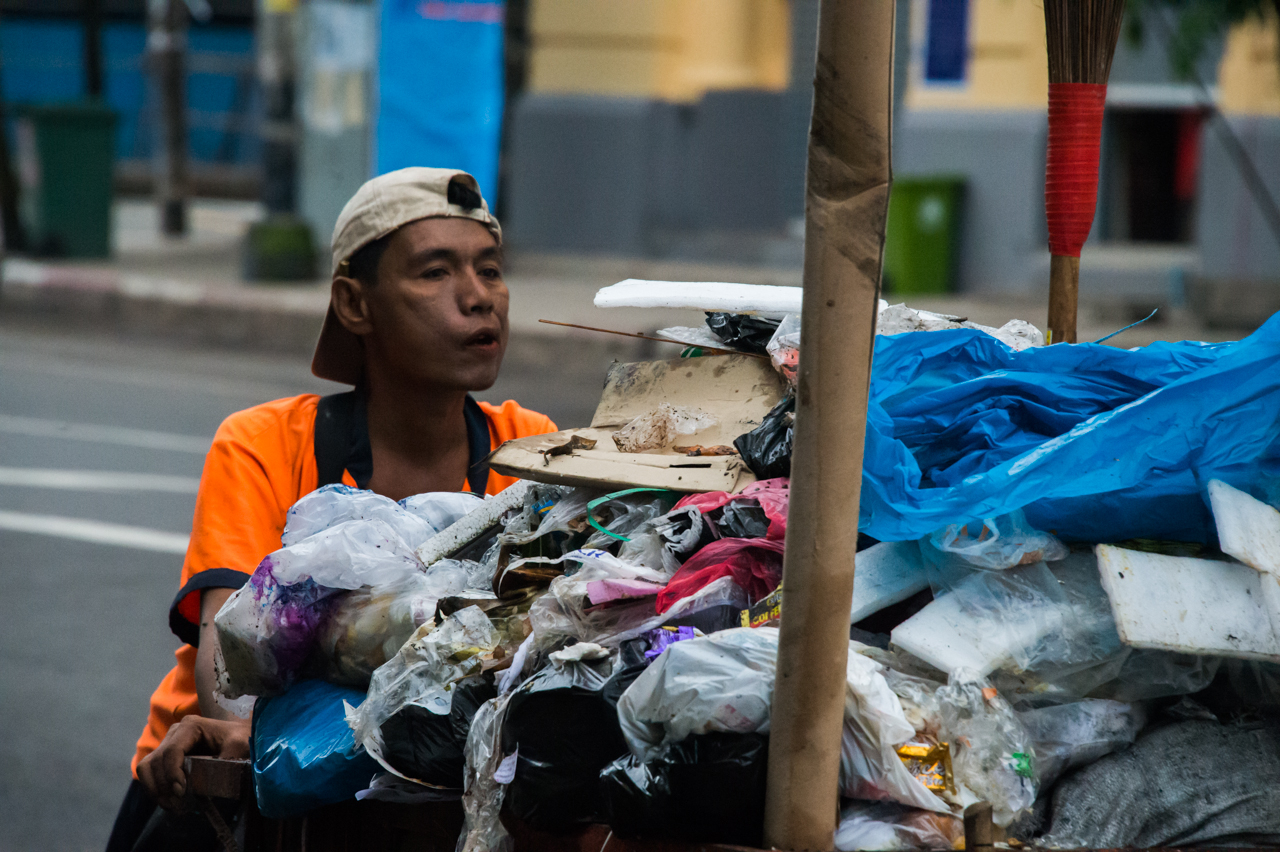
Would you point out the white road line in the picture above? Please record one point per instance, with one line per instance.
(123, 436)
(97, 480)
(98, 532)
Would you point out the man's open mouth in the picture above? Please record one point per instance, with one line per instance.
(483, 339)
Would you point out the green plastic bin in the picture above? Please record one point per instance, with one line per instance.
(923, 234)
(64, 156)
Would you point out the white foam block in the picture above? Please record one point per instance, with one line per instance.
(1195, 606)
(1248, 529)
(702, 296)
(886, 574)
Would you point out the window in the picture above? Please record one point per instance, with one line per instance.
(947, 44)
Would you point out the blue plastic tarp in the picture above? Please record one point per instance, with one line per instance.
(1096, 443)
(303, 752)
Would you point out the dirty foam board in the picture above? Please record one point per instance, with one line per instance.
(886, 574)
(1248, 529)
(736, 390)
(1193, 606)
(767, 299)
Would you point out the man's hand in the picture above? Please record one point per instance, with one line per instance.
(161, 772)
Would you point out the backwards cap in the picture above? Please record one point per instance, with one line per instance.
(378, 208)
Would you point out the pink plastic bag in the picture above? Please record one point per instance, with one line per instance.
(754, 564)
(773, 495)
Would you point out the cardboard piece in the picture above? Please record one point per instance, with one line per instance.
(736, 391)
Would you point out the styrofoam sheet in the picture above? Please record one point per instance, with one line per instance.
(1248, 529)
(1195, 606)
(701, 296)
(886, 574)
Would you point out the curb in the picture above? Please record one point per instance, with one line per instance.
(265, 318)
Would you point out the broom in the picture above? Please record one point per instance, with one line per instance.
(1082, 37)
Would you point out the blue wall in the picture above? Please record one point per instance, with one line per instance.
(43, 63)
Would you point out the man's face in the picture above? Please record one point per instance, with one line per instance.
(438, 312)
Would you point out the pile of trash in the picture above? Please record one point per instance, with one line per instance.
(572, 651)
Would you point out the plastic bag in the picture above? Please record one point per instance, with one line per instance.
(744, 332)
(427, 747)
(890, 826)
(563, 730)
(709, 787)
(1071, 735)
(773, 496)
(992, 754)
(754, 564)
(566, 611)
(999, 543)
(722, 682)
(366, 627)
(1094, 443)
(303, 754)
(415, 518)
(766, 449)
(784, 349)
(267, 629)
(660, 543)
(483, 791)
(874, 723)
(660, 428)
(423, 674)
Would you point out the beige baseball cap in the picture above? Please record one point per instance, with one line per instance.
(378, 208)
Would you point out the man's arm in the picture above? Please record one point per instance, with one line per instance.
(211, 600)
(215, 731)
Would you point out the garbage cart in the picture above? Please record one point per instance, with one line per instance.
(64, 157)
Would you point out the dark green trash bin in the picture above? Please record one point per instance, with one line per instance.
(64, 155)
(923, 236)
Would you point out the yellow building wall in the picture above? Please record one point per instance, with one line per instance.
(674, 50)
(1249, 77)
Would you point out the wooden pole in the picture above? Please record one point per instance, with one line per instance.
(846, 204)
(1064, 290)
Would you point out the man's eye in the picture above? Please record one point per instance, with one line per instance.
(491, 272)
(435, 272)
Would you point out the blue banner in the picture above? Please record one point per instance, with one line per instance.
(441, 87)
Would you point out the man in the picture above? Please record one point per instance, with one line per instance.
(417, 319)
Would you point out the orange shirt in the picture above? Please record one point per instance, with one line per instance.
(262, 461)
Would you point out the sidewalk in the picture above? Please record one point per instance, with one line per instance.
(190, 290)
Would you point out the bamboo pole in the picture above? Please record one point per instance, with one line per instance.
(847, 199)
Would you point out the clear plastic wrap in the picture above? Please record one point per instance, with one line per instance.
(999, 543)
(483, 793)
(883, 826)
(992, 753)
(423, 673)
(1070, 735)
(784, 348)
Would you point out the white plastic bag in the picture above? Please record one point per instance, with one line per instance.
(415, 519)
(1070, 735)
(660, 428)
(784, 348)
(883, 826)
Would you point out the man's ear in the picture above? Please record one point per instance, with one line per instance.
(351, 305)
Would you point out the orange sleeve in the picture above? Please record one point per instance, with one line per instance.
(251, 477)
(507, 422)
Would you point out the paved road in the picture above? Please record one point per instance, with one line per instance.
(90, 563)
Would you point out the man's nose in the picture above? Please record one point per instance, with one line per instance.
(477, 294)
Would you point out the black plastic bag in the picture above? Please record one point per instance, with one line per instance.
(565, 730)
(744, 332)
(706, 788)
(743, 519)
(767, 448)
(429, 747)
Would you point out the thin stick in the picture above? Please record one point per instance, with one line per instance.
(1064, 275)
(656, 339)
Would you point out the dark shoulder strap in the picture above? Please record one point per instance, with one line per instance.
(478, 442)
(333, 436)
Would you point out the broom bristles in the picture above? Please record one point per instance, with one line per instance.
(1082, 36)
